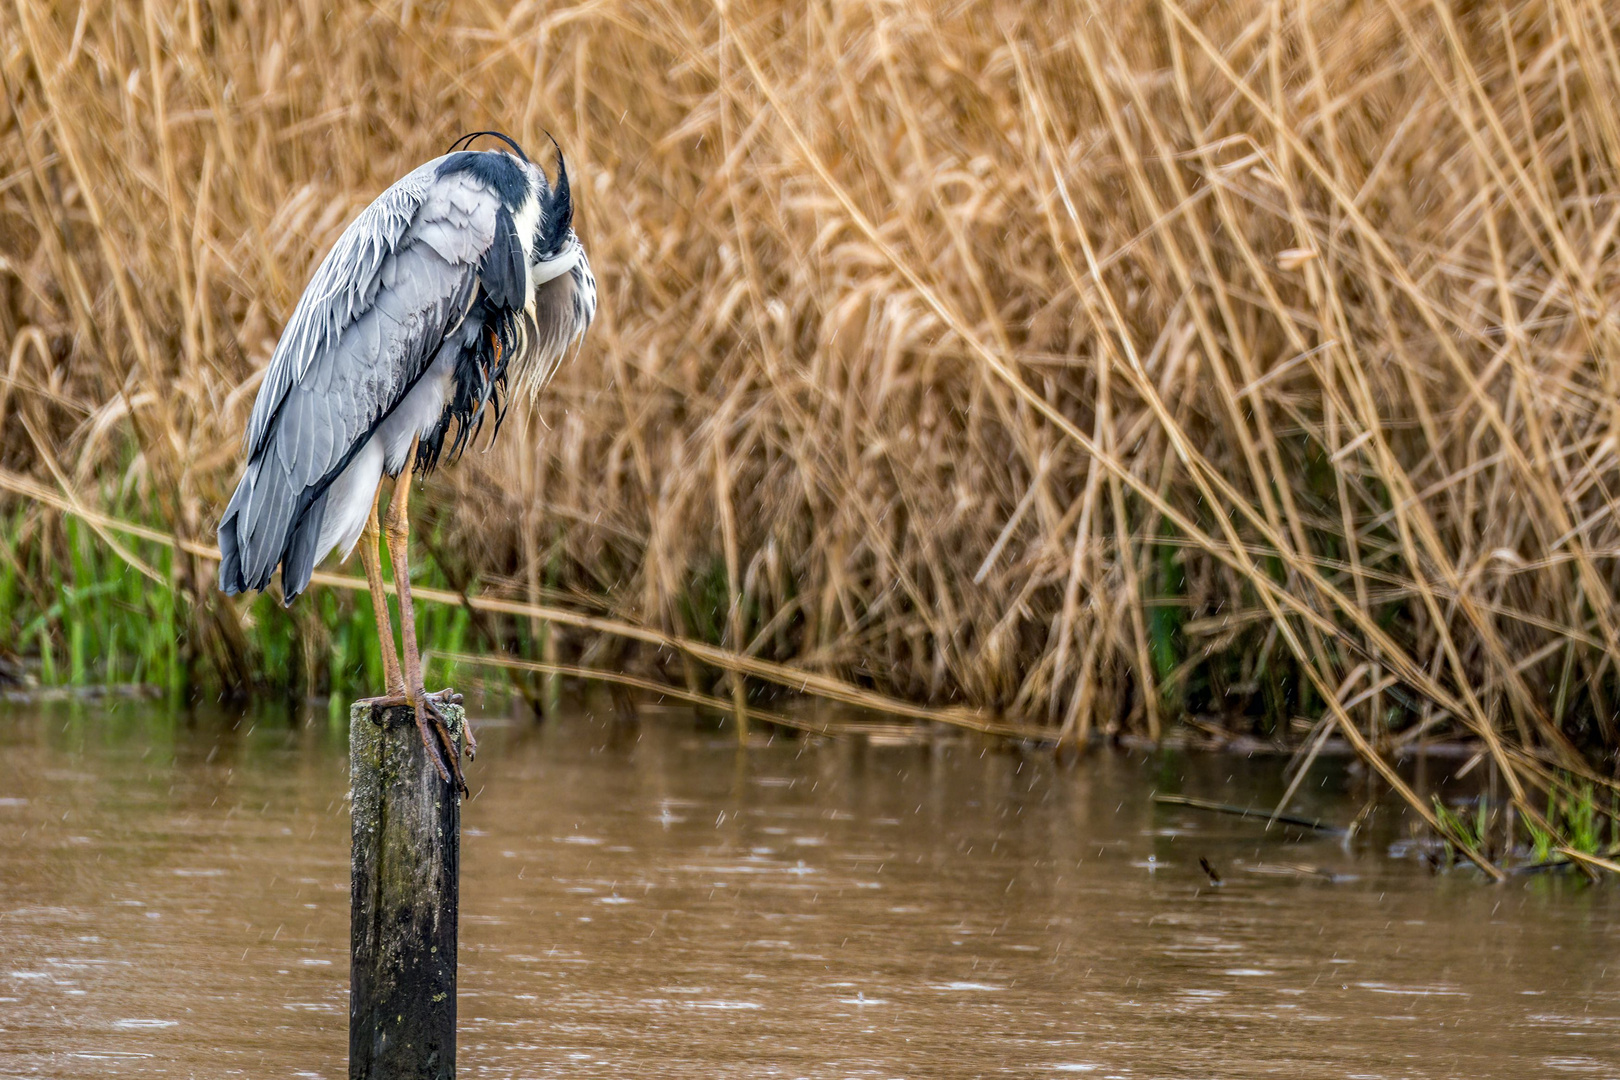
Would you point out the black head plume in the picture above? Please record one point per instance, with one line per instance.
(466, 140)
(562, 203)
(559, 213)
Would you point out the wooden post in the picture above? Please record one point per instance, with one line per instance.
(403, 900)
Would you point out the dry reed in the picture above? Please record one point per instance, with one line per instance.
(1082, 365)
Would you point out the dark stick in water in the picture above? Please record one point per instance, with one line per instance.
(1249, 812)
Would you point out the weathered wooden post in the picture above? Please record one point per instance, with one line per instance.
(403, 900)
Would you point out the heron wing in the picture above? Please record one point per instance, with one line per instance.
(453, 215)
(399, 280)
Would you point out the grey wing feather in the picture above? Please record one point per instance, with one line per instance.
(365, 372)
(400, 279)
(343, 287)
(455, 216)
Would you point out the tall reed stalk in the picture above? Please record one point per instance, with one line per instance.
(1087, 365)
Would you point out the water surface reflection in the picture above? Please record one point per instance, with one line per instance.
(644, 899)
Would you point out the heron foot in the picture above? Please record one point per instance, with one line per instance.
(436, 738)
(448, 696)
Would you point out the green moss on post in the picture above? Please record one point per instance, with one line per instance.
(403, 900)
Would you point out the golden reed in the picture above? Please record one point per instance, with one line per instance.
(1088, 365)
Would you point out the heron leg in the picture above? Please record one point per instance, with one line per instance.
(370, 557)
(429, 720)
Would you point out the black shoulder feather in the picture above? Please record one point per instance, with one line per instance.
(500, 171)
(503, 272)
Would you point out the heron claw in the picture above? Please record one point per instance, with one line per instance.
(390, 700)
(448, 696)
(436, 737)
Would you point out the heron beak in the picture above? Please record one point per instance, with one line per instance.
(555, 267)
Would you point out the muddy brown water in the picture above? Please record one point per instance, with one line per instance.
(644, 899)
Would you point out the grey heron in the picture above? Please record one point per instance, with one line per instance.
(463, 277)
